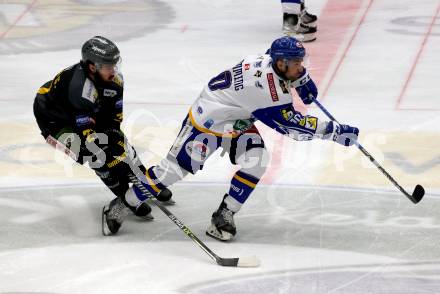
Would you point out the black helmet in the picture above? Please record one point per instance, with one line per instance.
(100, 50)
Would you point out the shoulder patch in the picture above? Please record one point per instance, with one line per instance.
(272, 88)
(89, 91)
(119, 80)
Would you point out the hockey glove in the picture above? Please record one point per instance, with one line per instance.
(342, 134)
(306, 88)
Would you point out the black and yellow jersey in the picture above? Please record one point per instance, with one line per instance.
(73, 100)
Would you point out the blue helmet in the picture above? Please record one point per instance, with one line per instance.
(287, 48)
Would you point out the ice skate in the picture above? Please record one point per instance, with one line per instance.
(293, 26)
(143, 211)
(308, 19)
(222, 224)
(139, 208)
(164, 197)
(113, 214)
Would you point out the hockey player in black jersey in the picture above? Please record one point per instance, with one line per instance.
(80, 112)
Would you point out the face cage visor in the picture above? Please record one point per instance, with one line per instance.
(110, 67)
(305, 61)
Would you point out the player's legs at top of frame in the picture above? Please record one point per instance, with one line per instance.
(297, 22)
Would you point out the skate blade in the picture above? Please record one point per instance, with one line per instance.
(148, 217)
(105, 230)
(301, 37)
(168, 202)
(213, 232)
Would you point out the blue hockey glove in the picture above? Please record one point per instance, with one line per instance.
(342, 134)
(306, 88)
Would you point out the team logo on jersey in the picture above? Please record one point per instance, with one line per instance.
(247, 66)
(258, 85)
(258, 74)
(284, 87)
(119, 104)
(197, 150)
(272, 88)
(109, 93)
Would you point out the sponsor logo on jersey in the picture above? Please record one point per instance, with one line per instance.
(258, 85)
(247, 66)
(242, 125)
(287, 114)
(208, 124)
(258, 64)
(284, 87)
(310, 122)
(272, 88)
(258, 74)
(199, 110)
(197, 150)
(109, 93)
(84, 120)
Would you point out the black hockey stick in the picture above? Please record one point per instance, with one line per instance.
(418, 192)
(251, 261)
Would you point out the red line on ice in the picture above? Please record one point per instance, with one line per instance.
(11, 26)
(416, 60)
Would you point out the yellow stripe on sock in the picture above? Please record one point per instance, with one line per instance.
(151, 183)
(244, 181)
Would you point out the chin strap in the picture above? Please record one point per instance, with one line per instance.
(278, 72)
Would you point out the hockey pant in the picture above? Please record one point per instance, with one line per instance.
(112, 162)
(193, 147)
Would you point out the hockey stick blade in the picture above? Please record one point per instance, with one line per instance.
(248, 261)
(418, 194)
(251, 261)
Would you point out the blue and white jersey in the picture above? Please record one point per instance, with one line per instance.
(250, 91)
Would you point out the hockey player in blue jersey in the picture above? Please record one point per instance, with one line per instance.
(297, 22)
(257, 88)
